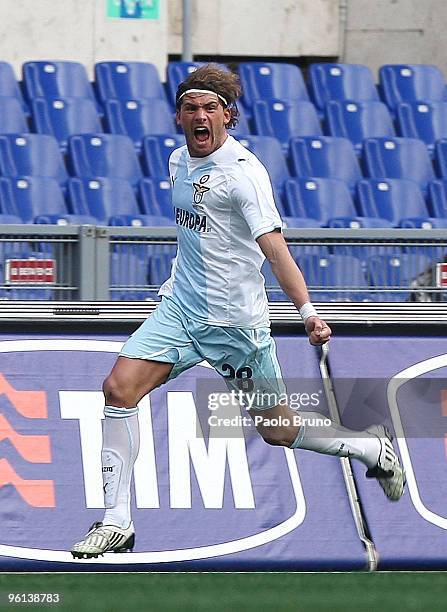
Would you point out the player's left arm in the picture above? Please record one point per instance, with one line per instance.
(292, 282)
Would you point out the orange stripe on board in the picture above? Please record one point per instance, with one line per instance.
(30, 404)
(33, 448)
(444, 402)
(36, 493)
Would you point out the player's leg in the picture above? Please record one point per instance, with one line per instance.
(128, 382)
(316, 432)
(158, 350)
(132, 378)
(254, 352)
(281, 426)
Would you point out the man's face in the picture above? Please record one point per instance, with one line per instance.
(203, 120)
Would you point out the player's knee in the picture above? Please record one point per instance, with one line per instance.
(278, 436)
(116, 394)
(273, 440)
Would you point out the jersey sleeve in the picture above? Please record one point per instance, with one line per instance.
(172, 162)
(251, 193)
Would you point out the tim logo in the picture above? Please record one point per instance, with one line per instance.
(418, 404)
(32, 448)
(193, 496)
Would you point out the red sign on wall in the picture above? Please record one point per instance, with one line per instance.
(441, 275)
(25, 271)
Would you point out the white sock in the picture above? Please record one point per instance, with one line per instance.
(318, 433)
(121, 442)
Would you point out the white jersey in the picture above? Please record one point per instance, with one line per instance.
(222, 203)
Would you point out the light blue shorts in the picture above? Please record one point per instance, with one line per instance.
(246, 358)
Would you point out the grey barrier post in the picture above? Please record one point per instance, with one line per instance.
(86, 270)
(102, 264)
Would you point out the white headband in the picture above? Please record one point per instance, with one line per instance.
(203, 91)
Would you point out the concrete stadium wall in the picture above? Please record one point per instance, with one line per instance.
(375, 33)
(396, 31)
(78, 30)
(264, 28)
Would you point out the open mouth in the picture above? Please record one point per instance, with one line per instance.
(201, 134)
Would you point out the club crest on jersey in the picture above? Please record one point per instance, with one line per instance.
(200, 188)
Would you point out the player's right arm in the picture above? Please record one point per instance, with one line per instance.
(284, 268)
(252, 193)
(291, 281)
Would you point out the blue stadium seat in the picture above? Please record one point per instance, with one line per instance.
(242, 127)
(269, 152)
(326, 157)
(137, 270)
(394, 199)
(285, 119)
(396, 271)
(333, 278)
(411, 82)
(30, 196)
(31, 155)
(272, 288)
(437, 198)
(6, 219)
(160, 265)
(102, 197)
(424, 120)
(321, 199)
(139, 118)
(176, 72)
(341, 82)
(12, 117)
(9, 86)
(55, 80)
(106, 155)
(358, 120)
(65, 117)
(402, 158)
(129, 275)
(155, 197)
(440, 159)
(293, 222)
(268, 81)
(357, 223)
(156, 152)
(127, 81)
(66, 219)
(278, 198)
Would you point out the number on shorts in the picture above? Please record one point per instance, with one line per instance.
(243, 376)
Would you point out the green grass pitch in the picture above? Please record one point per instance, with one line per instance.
(212, 592)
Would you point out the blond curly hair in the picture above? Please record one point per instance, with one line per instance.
(217, 79)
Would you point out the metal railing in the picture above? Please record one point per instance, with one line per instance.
(370, 264)
(129, 263)
(140, 260)
(43, 262)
